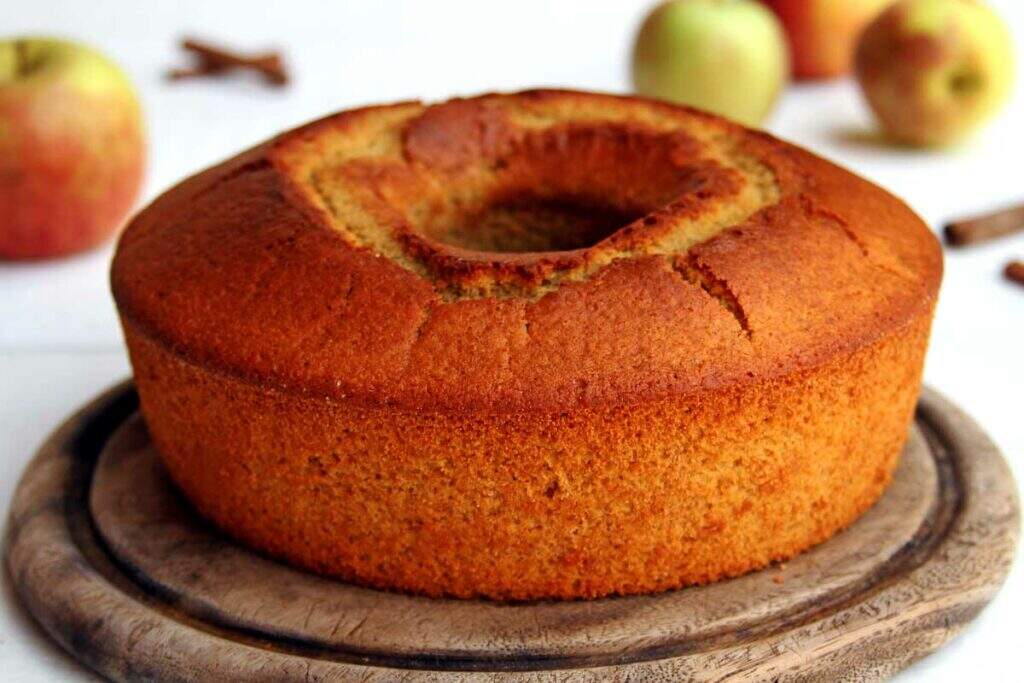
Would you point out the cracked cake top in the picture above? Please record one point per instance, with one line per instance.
(532, 251)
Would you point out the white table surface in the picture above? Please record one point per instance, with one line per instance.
(59, 339)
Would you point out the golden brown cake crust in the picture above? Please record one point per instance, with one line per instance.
(357, 346)
(834, 264)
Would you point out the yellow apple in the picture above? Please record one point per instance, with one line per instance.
(934, 70)
(728, 57)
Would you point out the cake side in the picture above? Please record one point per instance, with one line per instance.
(593, 502)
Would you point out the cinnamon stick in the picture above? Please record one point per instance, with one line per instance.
(212, 60)
(1014, 272)
(986, 227)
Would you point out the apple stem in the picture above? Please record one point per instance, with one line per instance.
(26, 60)
(22, 61)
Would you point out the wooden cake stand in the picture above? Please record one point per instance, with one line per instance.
(120, 571)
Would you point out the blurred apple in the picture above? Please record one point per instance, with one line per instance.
(728, 57)
(934, 70)
(823, 33)
(72, 148)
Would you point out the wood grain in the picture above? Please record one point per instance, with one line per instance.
(120, 571)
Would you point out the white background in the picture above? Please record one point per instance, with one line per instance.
(59, 339)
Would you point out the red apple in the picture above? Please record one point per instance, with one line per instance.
(823, 34)
(72, 148)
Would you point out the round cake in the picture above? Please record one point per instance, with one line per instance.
(549, 344)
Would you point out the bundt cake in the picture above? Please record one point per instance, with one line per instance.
(549, 344)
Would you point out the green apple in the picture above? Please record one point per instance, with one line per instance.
(934, 70)
(728, 57)
(72, 148)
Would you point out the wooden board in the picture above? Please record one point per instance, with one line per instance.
(119, 570)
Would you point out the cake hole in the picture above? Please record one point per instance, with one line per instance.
(526, 224)
(561, 189)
